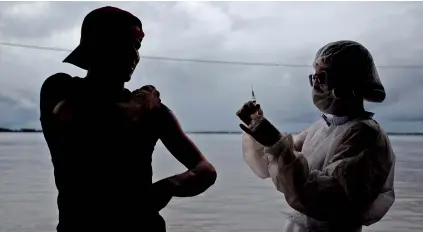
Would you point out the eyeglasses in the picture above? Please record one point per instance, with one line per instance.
(319, 78)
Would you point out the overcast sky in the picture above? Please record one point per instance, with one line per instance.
(206, 96)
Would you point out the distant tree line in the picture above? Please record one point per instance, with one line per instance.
(20, 130)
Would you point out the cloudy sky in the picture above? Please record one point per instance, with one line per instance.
(206, 96)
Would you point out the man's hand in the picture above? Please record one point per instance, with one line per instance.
(143, 100)
(258, 126)
(147, 94)
(161, 192)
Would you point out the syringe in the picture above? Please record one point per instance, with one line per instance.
(253, 96)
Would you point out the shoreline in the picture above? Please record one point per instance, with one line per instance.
(2, 130)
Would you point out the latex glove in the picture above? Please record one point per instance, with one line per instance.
(248, 109)
(262, 131)
(258, 126)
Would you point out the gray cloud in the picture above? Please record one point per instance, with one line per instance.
(206, 96)
(18, 111)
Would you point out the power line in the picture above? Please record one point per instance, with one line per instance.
(208, 61)
(163, 58)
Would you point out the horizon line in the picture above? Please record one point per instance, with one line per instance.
(33, 130)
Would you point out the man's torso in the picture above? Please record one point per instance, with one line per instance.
(101, 156)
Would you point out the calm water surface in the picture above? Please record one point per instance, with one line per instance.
(238, 201)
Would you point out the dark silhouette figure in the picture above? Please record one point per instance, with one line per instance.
(101, 136)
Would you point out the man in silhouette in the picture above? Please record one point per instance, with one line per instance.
(101, 136)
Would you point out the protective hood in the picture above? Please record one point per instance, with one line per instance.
(351, 64)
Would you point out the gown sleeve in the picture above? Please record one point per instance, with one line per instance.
(255, 157)
(347, 187)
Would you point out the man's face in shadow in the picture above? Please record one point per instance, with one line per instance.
(117, 54)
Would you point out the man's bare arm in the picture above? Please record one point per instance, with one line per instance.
(201, 173)
(54, 89)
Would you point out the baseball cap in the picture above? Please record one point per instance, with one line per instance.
(100, 23)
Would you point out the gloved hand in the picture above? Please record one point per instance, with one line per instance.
(248, 109)
(258, 126)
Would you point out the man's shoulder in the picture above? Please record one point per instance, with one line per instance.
(55, 80)
(54, 89)
(58, 83)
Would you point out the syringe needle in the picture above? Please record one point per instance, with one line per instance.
(253, 95)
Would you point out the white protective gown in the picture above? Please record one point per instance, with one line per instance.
(342, 176)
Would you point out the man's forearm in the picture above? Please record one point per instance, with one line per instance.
(193, 182)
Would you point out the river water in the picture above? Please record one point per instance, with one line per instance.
(238, 202)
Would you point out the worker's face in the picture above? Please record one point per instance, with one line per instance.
(320, 76)
(119, 55)
(322, 97)
(330, 95)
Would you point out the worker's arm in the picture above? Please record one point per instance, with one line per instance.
(254, 156)
(253, 151)
(200, 174)
(346, 188)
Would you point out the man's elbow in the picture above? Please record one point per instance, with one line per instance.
(211, 174)
(208, 172)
